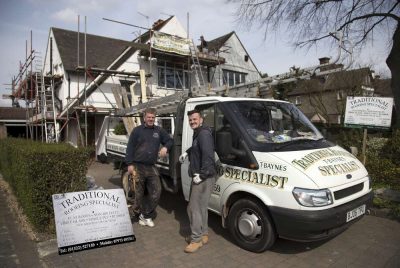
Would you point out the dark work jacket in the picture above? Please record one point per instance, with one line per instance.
(144, 144)
(201, 154)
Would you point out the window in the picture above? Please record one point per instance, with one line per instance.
(232, 78)
(208, 112)
(172, 75)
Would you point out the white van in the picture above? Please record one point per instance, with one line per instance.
(277, 175)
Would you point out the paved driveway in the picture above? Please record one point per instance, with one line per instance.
(371, 242)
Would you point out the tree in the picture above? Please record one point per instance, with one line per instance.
(310, 21)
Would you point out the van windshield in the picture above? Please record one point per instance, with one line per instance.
(273, 122)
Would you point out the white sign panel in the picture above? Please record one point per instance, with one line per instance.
(369, 111)
(91, 219)
(170, 43)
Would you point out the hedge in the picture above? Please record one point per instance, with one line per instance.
(36, 171)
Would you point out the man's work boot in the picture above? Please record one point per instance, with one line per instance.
(204, 239)
(193, 247)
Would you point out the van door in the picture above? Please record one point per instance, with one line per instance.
(208, 112)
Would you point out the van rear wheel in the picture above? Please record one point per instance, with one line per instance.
(251, 226)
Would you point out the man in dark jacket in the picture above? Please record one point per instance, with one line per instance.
(202, 170)
(141, 155)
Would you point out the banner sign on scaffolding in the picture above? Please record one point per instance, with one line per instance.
(370, 112)
(91, 219)
(170, 43)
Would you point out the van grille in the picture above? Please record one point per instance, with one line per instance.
(348, 191)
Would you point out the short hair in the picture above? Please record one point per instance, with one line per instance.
(189, 113)
(149, 111)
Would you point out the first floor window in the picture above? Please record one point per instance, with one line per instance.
(172, 76)
(232, 78)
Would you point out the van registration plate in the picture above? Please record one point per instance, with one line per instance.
(357, 212)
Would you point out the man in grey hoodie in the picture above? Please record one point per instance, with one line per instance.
(203, 171)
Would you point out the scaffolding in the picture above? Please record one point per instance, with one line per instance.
(36, 89)
(46, 117)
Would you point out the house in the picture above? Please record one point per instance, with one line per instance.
(157, 63)
(13, 122)
(382, 87)
(323, 99)
(238, 67)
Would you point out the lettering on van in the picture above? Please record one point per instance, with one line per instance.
(273, 166)
(311, 158)
(337, 169)
(116, 148)
(249, 176)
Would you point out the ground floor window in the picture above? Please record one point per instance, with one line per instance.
(172, 75)
(232, 78)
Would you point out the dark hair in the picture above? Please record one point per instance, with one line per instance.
(189, 113)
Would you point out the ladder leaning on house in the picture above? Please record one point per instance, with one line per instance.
(196, 67)
(47, 109)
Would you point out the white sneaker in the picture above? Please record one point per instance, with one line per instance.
(145, 222)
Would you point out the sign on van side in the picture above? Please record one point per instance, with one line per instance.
(368, 111)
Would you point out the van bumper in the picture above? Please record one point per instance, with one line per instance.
(304, 225)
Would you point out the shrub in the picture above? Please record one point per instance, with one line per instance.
(120, 129)
(36, 171)
(383, 161)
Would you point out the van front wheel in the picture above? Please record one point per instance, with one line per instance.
(251, 226)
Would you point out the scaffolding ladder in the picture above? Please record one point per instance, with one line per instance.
(196, 67)
(47, 108)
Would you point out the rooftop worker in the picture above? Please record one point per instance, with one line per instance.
(203, 45)
(141, 156)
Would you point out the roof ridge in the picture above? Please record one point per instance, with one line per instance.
(94, 35)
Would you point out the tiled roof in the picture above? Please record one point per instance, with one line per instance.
(217, 43)
(100, 51)
(346, 79)
(382, 87)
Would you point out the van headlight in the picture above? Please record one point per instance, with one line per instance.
(312, 198)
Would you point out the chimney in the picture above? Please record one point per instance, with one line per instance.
(158, 22)
(324, 60)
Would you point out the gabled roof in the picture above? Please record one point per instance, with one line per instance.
(156, 27)
(383, 88)
(342, 80)
(217, 43)
(346, 79)
(100, 51)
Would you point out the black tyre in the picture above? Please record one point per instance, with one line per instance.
(102, 158)
(126, 185)
(251, 226)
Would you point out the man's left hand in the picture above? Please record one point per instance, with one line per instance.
(163, 152)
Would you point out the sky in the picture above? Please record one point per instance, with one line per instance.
(211, 18)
